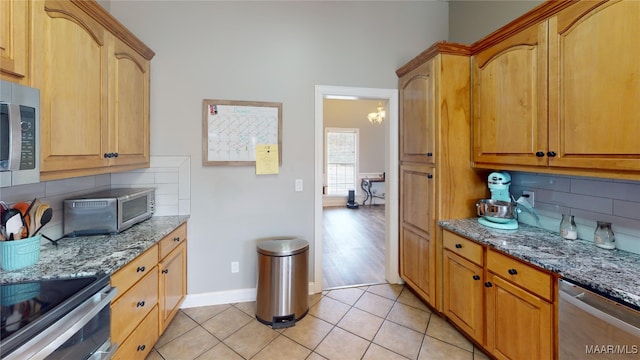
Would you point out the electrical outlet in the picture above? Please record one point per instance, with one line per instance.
(531, 197)
(299, 184)
(235, 267)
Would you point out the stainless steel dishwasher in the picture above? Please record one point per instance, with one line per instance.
(591, 326)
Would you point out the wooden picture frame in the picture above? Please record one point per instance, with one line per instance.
(231, 129)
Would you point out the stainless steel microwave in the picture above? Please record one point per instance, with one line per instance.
(19, 134)
(107, 212)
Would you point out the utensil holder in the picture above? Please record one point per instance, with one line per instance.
(19, 254)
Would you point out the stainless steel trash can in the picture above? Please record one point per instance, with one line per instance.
(283, 282)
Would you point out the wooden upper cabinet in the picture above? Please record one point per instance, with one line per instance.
(594, 85)
(417, 114)
(94, 81)
(510, 99)
(71, 53)
(15, 18)
(129, 104)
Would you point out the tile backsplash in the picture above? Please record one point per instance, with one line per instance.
(170, 175)
(589, 200)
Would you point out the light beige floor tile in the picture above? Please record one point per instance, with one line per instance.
(181, 324)
(252, 338)
(479, 355)
(248, 308)
(390, 291)
(399, 339)
(282, 348)
(409, 316)
(408, 298)
(440, 329)
(340, 344)
(361, 323)
(315, 356)
(309, 331)
(376, 352)
(434, 349)
(203, 313)
(227, 322)
(153, 355)
(189, 345)
(348, 296)
(374, 304)
(219, 352)
(314, 298)
(329, 310)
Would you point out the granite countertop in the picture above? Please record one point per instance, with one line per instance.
(90, 255)
(614, 273)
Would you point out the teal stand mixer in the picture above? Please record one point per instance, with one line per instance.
(498, 212)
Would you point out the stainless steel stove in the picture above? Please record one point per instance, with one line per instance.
(56, 319)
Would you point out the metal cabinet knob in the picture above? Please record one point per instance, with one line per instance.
(512, 271)
(140, 303)
(429, 154)
(429, 176)
(458, 246)
(165, 271)
(140, 269)
(476, 277)
(551, 154)
(540, 154)
(488, 284)
(176, 239)
(141, 347)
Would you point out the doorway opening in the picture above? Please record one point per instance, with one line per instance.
(390, 98)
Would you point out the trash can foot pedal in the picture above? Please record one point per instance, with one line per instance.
(280, 322)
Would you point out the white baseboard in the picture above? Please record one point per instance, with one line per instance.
(224, 297)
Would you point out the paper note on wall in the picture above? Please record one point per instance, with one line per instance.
(267, 159)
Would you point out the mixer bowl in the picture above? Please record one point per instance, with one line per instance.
(496, 210)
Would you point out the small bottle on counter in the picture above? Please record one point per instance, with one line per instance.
(603, 236)
(568, 228)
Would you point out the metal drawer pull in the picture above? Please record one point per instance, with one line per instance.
(141, 347)
(165, 271)
(176, 239)
(488, 284)
(512, 272)
(140, 304)
(140, 269)
(458, 246)
(476, 277)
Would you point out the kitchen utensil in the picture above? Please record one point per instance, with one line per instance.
(499, 211)
(33, 224)
(43, 216)
(12, 222)
(23, 207)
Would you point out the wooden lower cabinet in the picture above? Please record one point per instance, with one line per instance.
(503, 304)
(519, 324)
(173, 284)
(140, 343)
(151, 289)
(463, 294)
(417, 267)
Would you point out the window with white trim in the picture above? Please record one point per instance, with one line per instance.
(341, 160)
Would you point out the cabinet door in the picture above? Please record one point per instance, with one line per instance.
(463, 294)
(128, 106)
(510, 100)
(594, 75)
(417, 114)
(139, 344)
(71, 72)
(14, 39)
(417, 248)
(173, 284)
(519, 324)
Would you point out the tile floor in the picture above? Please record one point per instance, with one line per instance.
(370, 322)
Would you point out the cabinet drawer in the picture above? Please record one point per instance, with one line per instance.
(132, 306)
(466, 248)
(131, 273)
(171, 241)
(140, 343)
(516, 272)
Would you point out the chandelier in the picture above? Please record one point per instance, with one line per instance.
(377, 117)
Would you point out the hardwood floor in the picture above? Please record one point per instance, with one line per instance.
(353, 246)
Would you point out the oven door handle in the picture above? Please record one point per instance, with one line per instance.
(46, 342)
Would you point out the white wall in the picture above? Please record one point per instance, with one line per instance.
(262, 51)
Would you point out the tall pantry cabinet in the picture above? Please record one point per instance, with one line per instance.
(436, 178)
